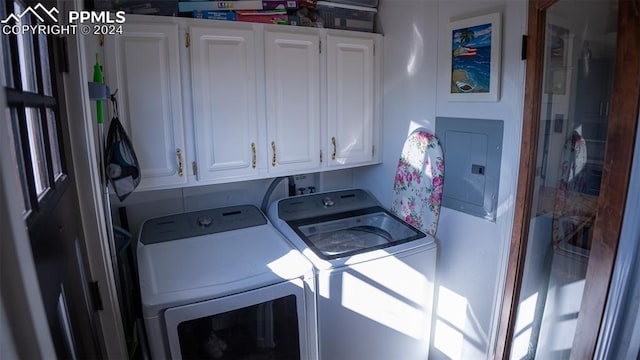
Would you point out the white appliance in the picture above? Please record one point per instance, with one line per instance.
(223, 283)
(374, 274)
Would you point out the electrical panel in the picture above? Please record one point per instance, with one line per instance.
(472, 156)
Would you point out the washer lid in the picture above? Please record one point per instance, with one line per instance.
(354, 232)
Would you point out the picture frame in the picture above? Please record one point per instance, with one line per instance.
(474, 54)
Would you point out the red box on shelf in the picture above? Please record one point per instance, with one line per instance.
(263, 16)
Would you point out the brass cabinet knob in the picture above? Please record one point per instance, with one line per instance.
(273, 147)
(180, 165)
(253, 155)
(333, 142)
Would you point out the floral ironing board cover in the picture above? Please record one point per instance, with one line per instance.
(419, 181)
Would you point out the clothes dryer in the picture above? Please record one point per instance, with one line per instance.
(223, 283)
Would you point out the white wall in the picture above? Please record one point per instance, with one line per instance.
(143, 205)
(472, 251)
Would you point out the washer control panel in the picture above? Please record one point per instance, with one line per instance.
(197, 223)
(205, 221)
(327, 203)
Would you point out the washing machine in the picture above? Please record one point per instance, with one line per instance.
(223, 283)
(374, 274)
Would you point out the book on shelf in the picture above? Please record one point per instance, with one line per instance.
(263, 16)
(190, 6)
(214, 15)
(279, 4)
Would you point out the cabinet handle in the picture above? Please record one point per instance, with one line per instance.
(333, 142)
(253, 155)
(180, 165)
(273, 148)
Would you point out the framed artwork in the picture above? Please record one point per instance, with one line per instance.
(474, 58)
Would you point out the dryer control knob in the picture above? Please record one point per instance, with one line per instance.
(205, 221)
(328, 202)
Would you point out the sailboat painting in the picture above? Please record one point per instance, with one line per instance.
(475, 58)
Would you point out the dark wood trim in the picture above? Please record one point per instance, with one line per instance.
(623, 123)
(28, 99)
(526, 177)
(621, 131)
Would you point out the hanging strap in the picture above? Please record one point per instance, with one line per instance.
(114, 104)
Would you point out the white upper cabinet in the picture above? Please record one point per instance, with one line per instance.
(259, 100)
(350, 100)
(292, 70)
(143, 65)
(224, 85)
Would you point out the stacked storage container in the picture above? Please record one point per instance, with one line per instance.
(358, 15)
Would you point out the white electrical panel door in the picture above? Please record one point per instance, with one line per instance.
(143, 65)
(292, 68)
(223, 75)
(350, 100)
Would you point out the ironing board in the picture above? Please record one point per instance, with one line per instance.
(419, 181)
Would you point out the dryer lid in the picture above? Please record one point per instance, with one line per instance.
(217, 263)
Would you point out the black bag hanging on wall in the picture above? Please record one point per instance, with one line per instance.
(121, 164)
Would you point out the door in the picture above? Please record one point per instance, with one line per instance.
(143, 65)
(350, 79)
(223, 73)
(292, 67)
(581, 111)
(41, 154)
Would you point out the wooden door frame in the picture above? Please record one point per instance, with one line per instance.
(622, 127)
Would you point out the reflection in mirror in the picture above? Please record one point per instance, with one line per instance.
(576, 89)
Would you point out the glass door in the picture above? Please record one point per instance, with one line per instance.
(579, 54)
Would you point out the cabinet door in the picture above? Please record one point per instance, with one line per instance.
(292, 67)
(350, 100)
(223, 72)
(144, 66)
